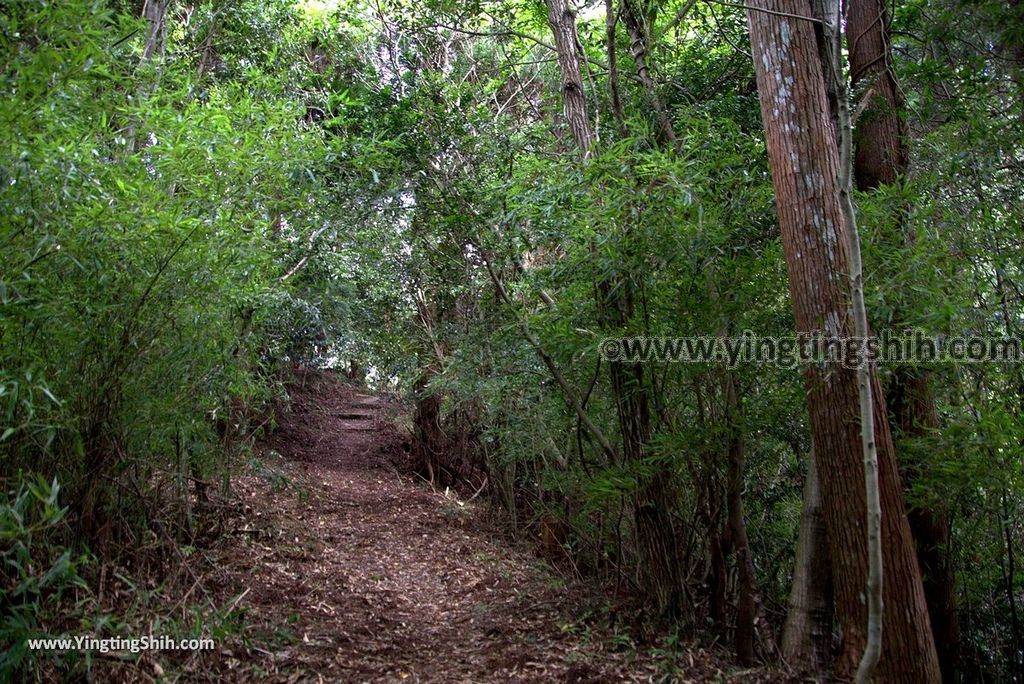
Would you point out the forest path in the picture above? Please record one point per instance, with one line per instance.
(368, 576)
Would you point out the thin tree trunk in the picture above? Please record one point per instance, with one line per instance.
(652, 502)
(430, 438)
(807, 633)
(430, 442)
(709, 509)
(746, 604)
(639, 40)
(1016, 662)
(744, 633)
(154, 12)
(660, 567)
(1014, 43)
(913, 414)
(805, 167)
(611, 20)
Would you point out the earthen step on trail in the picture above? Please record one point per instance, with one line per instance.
(355, 415)
(357, 426)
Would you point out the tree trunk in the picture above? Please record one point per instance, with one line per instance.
(652, 503)
(574, 101)
(639, 40)
(430, 441)
(881, 155)
(865, 366)
(882, 158)
(746, 603)
(619, 114)
(807, 633)
(660, 568)
(708, 509)
(154, 12)
(1014, 43)
(1013, 648)
(804, 162)
(913, 414)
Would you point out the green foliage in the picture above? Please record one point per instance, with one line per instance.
(164, 248)
(311, 182)
(465, 138)
(37, 575)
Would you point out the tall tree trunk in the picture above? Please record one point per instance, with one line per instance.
(746, 603)
(652, 503)
(807, 633)
(865, 366)
(804, 162)
(882, 158)
(154, 12)
(1009, 578)
(709, 507)
(1014, 43)
(431, 441)
(881, 155)
(658, 552)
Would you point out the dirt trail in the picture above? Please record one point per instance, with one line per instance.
(355, 573)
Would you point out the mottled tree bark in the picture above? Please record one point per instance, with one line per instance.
(804, 162)
(865, 366)
(562, 20)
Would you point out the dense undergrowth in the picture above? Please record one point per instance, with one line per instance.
(164, 244)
